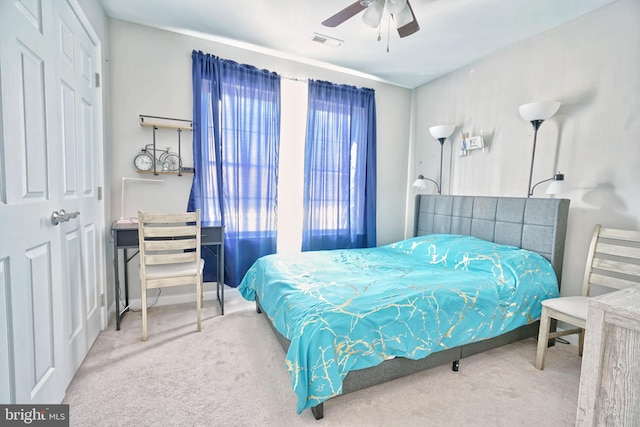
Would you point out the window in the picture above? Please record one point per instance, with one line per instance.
(339, 168)
(236, 157)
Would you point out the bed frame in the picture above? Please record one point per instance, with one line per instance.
(539, 225)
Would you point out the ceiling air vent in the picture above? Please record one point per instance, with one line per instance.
(326, 40)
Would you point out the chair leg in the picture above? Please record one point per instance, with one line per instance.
(201, 293)
(580, 342)
(143, 303)
(199, 301)
(543, 338)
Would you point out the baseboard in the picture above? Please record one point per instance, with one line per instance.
(171, 299)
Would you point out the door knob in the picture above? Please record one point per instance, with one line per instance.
(62, 216)
(68, 215)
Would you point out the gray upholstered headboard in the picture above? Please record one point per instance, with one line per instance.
(538, 225)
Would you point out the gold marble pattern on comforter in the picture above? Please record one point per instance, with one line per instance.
(351, 309)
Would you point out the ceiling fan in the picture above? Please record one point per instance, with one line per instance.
(400, 10)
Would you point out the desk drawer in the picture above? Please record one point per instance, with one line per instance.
(210, 235)
(129, 237)
(126, 238)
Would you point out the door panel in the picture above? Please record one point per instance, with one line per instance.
(30, 243)
(87, 150)
(71, 260)
(6, 363)
(32, 12)
(69, 139)
(51, 276)
(91, 274)
(39, 316)
(77, 67)
(32, 137)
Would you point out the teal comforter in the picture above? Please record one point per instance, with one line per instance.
(345, 310)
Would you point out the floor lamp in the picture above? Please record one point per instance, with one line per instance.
(536, 113)
(441, 133)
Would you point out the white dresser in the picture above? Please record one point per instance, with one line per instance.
(610, 376)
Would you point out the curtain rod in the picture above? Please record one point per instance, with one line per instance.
(294, 79)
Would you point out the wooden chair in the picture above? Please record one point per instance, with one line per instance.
(169, 255)
(614, 263)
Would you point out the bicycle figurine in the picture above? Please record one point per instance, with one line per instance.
(169, 161)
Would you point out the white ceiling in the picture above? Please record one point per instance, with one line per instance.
(453, 33)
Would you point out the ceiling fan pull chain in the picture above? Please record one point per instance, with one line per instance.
(379, 36)
(388, 32)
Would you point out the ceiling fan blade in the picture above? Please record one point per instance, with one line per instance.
(344, 14)
(410, 27)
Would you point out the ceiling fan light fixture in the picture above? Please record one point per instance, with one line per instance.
(373, 14)
(400, 10)
(403, 17)
(395, 6)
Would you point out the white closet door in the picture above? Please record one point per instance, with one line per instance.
(50, 275)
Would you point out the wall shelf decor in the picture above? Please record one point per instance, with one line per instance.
(469, 143)
(149, 158)
(149, 172)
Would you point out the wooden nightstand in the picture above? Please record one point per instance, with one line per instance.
(610, 376)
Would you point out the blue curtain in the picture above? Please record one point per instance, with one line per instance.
(236, 132)
(340, 168)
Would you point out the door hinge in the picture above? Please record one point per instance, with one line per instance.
(97, 79)
(102, 301)
(99, 193)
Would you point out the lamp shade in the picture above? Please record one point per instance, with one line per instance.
(539, 110)
(441, 131)
(373, 13)
(557, 185)
(403, 17)
(419, 183)
(395, 6)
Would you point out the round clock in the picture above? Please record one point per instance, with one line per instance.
(143, 161)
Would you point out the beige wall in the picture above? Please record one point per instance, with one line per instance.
(592, 66)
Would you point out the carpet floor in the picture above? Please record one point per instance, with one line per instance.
(233, 374)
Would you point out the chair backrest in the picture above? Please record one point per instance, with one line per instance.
(614, 259)
(168, 238)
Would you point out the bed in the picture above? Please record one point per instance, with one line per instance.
(471, 279)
